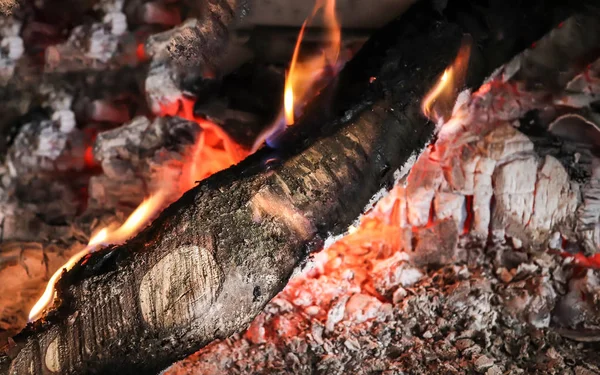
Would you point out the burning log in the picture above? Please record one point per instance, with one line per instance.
(493, 193)
(211, 261)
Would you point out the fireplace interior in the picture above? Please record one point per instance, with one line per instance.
(275, 187)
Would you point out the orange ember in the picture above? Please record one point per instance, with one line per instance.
(439, 101)
(303, 73)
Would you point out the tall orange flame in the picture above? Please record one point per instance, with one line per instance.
(438, 102)
(302, 74)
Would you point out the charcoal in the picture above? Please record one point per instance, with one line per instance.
(138, 158)
(96, 46)
(47, 145)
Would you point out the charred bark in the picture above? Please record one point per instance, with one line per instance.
(212, 260)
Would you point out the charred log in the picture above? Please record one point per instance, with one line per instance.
(212, 260)
(513, 189)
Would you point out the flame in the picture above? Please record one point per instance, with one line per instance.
(213, 151)
(134, 223)
(303, 74)
(288, 99)
(438, 102)
(307, 75)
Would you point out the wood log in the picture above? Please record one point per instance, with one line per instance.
(211, 261)
(499, 193)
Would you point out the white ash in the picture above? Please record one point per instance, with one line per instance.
(65, 119)
(43, 146)
(10, 26)
(103, 43)
(162, 86)
(11, 47)
(442, 325)
(109, 6)
(56, 98)
(94, 46)
(117, 22)
(493, 316)
(135, 157)
(11, 50)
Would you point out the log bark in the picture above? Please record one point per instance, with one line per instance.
(212, 260)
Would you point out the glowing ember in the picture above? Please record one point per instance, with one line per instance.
(438, 103)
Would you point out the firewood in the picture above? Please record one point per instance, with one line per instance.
(378, 290)
(498, 201)
(212, 260)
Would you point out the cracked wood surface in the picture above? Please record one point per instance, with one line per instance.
(248, 227)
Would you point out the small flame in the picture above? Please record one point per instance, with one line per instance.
(214, 151)
(303, 74)
(439, 101)
(308, 75)
(289, 105)
(134, 223)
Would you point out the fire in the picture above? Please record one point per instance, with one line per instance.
(307, 75)
(300, 83)
(288, 99)
(214, 149)
(136, 221)
(438, 102)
